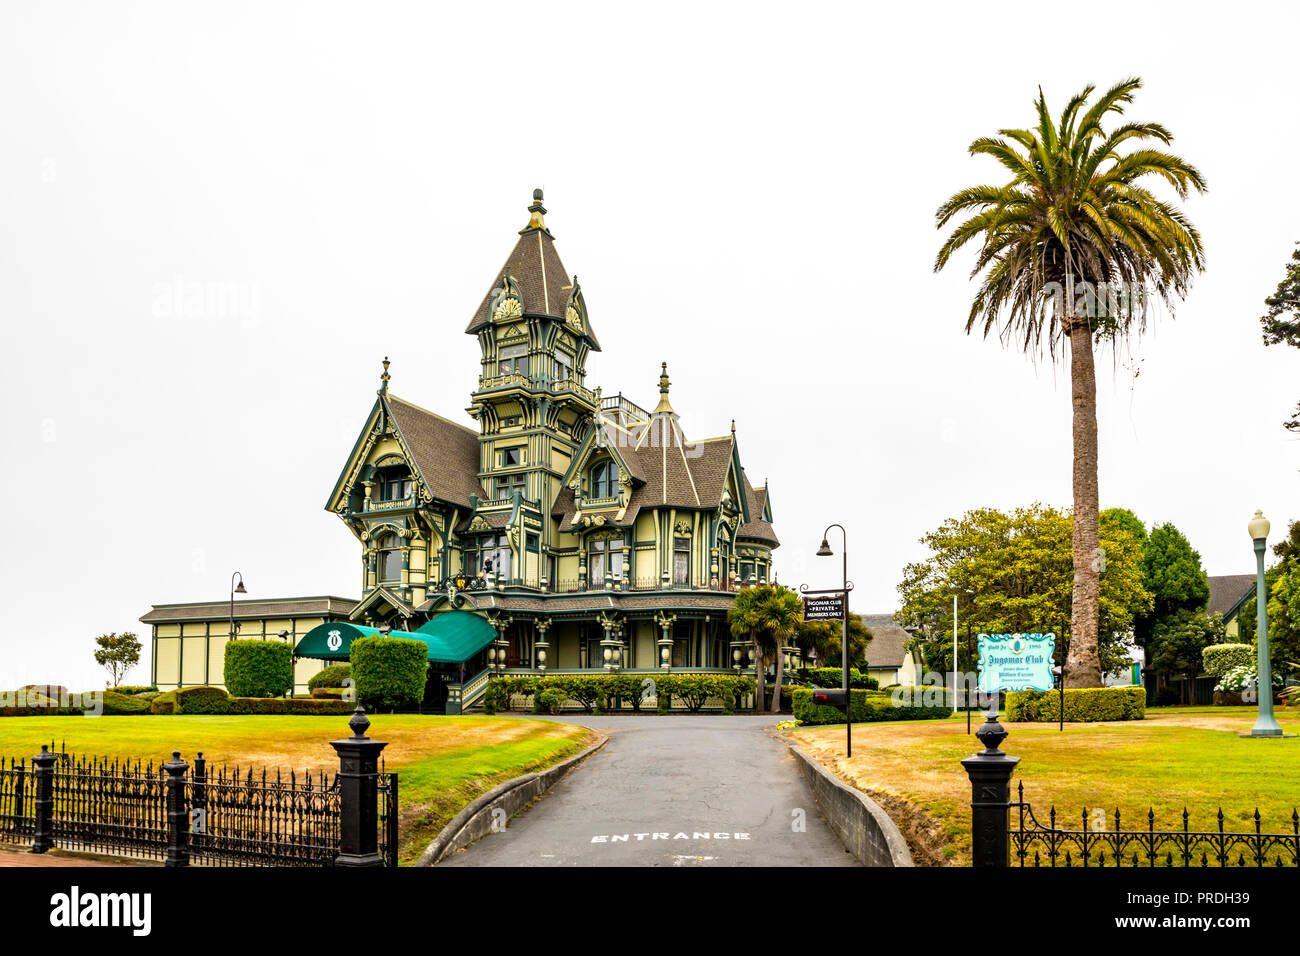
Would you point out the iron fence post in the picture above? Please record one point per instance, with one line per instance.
(199, 796)
(178, 814)
(990, 777)
(358, 795)
(19, 788)
(43, 802)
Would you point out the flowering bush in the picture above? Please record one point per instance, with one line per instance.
(1242, 678)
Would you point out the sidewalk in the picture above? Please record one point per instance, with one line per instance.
(63, 858)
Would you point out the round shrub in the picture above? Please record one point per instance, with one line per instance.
(332, 676)
(1221, 658)
(389, 671)
(202, 700)
(258, 668)
(547, 702)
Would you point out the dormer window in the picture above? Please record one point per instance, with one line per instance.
(395, 483)
(604, 480)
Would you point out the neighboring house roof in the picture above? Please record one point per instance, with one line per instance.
(887, 643)
(326, 605)
(446, 454)
(1228, 592)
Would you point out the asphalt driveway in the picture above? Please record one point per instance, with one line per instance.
(671, 790)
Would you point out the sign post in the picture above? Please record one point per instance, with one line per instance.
(834, 606)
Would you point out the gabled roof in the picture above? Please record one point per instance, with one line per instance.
(446, 454)
(1228, 592)
(758, 526)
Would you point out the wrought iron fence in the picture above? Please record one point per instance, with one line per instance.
(109, 805)
(235, 817)
(1036, 845)
(243, 818)
(17, 819)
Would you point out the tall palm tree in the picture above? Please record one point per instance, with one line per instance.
(778, 613)
(1071, 249)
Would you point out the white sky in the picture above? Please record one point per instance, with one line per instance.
(746, 191)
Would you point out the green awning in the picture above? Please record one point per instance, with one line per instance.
(455, 636)
(332, 641)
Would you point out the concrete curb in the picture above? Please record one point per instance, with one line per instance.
(864, 828)
(475, 821)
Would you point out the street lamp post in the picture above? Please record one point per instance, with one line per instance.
(1265, 724)
(825, 552)
(235, 589)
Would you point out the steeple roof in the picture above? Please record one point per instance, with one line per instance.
(534, 267)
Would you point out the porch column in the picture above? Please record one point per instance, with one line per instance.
(497, 652)
(542, 645)
(611, 648)
(665, 622)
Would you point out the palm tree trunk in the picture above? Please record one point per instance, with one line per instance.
(780, 675)
(760, 691)
(1083, 667)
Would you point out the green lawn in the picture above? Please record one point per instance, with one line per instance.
(443, 762)
(1178, 757)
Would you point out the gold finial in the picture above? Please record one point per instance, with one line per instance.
(733, 428)
(383, 379)
(664, 405)
(536, 211)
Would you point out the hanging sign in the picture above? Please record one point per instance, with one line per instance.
(1015, 662)
(824, 608)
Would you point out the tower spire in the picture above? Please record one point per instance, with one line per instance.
(664, 405)
(536, 212)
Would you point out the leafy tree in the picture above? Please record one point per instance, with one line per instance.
(1282, 584)
(118, 653)
(1076, 210)
(1179, 639)
(1282, 320)
(1172, 572)
(1017, 565)
(825, 637)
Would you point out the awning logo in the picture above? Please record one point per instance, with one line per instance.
(334, 641)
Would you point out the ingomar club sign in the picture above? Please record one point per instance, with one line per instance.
(824, 608)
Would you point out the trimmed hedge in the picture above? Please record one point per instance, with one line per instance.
(1082, 705)
(134, 689)
(594, 692)
(214, 700)
(122, 705)
(258, 668)
(834, 677)
(332, 676)
(389, 671)
(1221, 658)
(865, 706)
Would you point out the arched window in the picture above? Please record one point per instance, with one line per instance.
(389, 551)
(604, 480)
